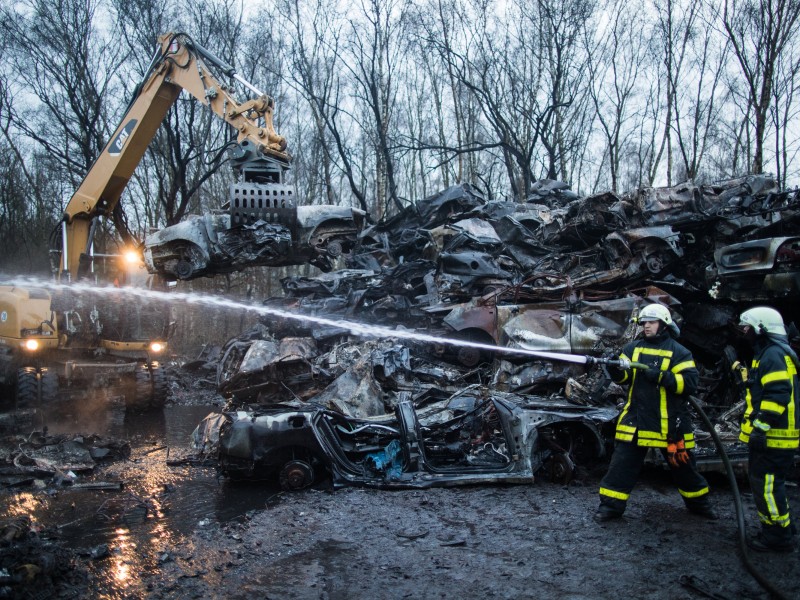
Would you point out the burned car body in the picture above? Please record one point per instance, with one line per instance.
(467, 439)
(582, 327)
(757, 270)
(248, 368)
(224, 242)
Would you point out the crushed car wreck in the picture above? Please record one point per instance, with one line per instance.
(763, 269)
(466, 439)
(560, 273)
(219, 242)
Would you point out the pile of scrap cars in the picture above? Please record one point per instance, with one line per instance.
(558, 273)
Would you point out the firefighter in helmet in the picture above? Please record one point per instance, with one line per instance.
(656, 415)
(770, 424)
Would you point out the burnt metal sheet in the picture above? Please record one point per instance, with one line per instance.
(354, 393)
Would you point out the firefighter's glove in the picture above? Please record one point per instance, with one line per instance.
(677, 454)
(618, 369)
(758, 437)
(739, 373)
(667, 380)
(652, 375)
(766, 420)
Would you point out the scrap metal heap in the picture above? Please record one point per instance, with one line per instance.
(557, 273)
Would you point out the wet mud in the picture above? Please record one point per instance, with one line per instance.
(489, 542)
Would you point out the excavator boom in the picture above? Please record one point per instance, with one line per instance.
(179, 64)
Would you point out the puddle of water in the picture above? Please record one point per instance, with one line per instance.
(177, 498)
(156, 510)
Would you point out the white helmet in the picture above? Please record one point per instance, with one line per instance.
(655, 312)
(763, 319)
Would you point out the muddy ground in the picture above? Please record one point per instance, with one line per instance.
(529, 541)
(495, 542)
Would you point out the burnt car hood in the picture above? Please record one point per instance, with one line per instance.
(763, 269)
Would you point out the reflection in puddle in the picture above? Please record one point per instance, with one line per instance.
(155, 512)
(124, 556)
(23, 505)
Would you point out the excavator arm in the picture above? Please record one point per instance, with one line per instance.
(179, 64)
(58, 345)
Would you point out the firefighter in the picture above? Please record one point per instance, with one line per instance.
(769, 425)
(656, 415)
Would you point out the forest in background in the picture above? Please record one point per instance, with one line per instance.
(385, 102)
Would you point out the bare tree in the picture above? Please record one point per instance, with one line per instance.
(372, 56)
(65, 68)
(692, 60)
(615, 72)
(520, 64)
(696, 87)
(563, 27)
(313, 53)
(760, 32)
(26, 214)
(446, 20)
(61, 61)
(187, 154)
(784, 111)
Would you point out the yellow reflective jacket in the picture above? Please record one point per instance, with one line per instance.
(771, 396)
(658, 411)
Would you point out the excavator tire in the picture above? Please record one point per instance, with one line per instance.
(150, 388)
(49, 382)
(139, 397)
(27, 388)
(160, 387)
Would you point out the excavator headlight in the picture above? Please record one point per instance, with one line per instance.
(156, 347)
(132, 257)
(31, 345)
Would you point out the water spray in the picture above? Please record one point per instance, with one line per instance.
(354, 328)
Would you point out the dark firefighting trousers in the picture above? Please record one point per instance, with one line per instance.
(767, 472)
(623, 472)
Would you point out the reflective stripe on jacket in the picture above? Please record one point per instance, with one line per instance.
(771, 390)
(658, 411)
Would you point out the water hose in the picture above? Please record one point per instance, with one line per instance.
(737, 501)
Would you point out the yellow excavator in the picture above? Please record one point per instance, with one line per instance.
(69, 342)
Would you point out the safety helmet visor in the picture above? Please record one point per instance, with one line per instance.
(763, 319)
(655, 312)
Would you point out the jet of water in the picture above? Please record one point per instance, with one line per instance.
(363, 330)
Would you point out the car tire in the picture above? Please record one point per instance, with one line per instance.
(468, 356)
(183, 269)
(334, 248)
(296, 475)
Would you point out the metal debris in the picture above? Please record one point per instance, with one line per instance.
(557, 272)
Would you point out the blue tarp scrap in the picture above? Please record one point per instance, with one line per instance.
(388, 461)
